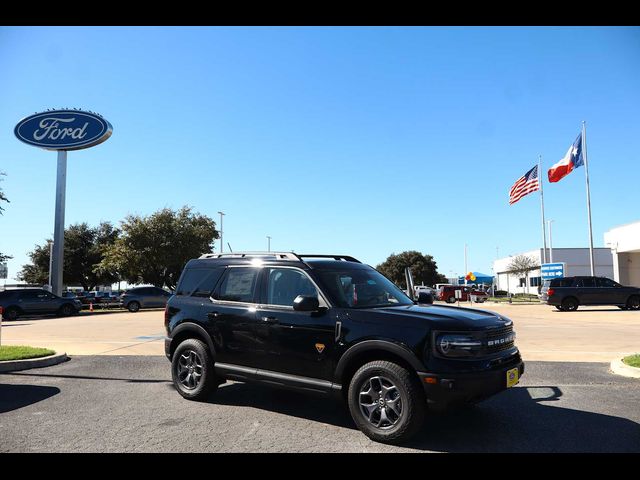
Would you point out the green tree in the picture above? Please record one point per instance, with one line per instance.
(154, 249)
(83, 251)
(423, 268)
(3, 198)
(521, 265)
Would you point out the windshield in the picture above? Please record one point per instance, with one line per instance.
(361, 288)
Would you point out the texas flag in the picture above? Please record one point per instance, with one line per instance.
(573, 159)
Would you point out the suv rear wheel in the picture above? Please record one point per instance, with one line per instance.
(192, 370)
(66, 310)
(569, 304)
(386, 402)
(11, 313)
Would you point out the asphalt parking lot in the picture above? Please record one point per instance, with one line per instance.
(127, 404)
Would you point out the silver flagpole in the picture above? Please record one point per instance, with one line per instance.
(544, 231)
(586, 172)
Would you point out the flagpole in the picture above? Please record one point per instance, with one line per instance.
(586, 172)
(544, 232)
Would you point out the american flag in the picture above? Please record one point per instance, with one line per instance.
(524, 185)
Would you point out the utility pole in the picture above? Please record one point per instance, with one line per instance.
(50, 264)
(268, 243)
(221, 244)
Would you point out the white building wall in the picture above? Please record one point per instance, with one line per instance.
(577, 260)
(624, 242)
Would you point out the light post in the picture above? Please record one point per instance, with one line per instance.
(50, 264)
(268, 243)
(222, 214)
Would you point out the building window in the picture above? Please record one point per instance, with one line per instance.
(522, 282)
(534, 282)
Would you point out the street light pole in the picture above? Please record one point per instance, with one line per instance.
(221, 244)
(50, 263)
(268, 243)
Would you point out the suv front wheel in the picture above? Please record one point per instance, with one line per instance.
(386, 402)
(192, 370)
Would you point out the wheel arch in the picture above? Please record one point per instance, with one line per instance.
(190, 330)
(370, 350)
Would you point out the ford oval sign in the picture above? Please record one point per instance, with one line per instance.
(63, 130)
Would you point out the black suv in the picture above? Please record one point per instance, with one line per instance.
(330, 324)
(30, 301)
(568, 293)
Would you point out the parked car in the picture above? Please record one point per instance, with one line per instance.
(30, 301)
(423, 288)
(567, 293)
(332, 325)
(447, 293)
(144, 297)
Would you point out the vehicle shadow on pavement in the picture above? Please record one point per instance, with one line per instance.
(13, 397)
(89, 377)
(317, 408)
(518, 421)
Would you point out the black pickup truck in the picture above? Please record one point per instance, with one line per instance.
(567, 293)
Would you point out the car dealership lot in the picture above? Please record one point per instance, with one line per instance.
(593, 334)
(128, 404)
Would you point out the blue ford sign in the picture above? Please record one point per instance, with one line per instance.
(549, 271)
(63, 130)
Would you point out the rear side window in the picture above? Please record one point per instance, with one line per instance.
(238, 285)
(562, 282)
(606, 283)
(586, 282)
(191, 278)
(206, 287)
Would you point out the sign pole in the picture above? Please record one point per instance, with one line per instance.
(57, 263)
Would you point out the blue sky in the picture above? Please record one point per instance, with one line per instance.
(363, 141)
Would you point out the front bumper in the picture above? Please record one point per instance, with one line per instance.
(452, 388)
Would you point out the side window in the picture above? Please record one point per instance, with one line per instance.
(586, 282)
(285, 284)
(29, 295)
(606, 283)
(238, 285)
(190, 280)
(205, 288)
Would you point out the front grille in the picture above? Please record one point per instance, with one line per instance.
(499, 339)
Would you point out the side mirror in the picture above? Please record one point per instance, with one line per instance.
(306, 304)
(424, 297)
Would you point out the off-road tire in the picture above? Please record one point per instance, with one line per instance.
(193, 350)
(411, 397)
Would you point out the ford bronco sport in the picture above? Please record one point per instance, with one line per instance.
(332, 325)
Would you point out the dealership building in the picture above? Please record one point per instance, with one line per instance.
(576, 262)
(624, 242)
(619, 260)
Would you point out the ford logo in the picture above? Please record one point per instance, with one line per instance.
(63, 130)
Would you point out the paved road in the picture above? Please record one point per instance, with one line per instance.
(597, 334)
(127, 404)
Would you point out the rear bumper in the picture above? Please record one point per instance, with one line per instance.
(167, 347)
(467, 387)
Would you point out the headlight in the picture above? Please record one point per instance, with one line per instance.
(457, 345)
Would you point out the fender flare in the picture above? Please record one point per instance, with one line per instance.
(195, 328)
(386, 345)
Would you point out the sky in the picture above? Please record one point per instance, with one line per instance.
(363, 141)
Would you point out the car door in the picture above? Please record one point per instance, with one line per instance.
(49, 303)
(231, 316)
(610, 292)
(586, 291)
(29, 301)
(296, 343)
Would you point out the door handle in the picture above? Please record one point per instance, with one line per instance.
(270, 320)
(212, 314)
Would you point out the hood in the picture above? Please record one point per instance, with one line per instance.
(445, 317)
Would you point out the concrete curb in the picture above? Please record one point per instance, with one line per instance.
(620, 368)
(15, 365)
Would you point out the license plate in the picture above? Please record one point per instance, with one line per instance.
(512, 377)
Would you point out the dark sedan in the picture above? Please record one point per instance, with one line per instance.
(567, 293)
(36, 301)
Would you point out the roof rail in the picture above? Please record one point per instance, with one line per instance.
(345, 258)
(277, 255)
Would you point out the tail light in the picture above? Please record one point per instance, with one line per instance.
(550, 292)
